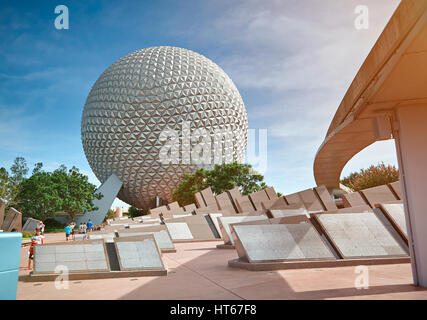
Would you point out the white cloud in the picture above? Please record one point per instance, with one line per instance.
(302, 55)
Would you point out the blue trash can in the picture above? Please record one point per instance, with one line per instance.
(10, 255)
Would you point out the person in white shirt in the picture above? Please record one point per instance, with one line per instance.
(39, 237)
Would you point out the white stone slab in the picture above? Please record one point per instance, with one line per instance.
(281, 213)
(281, 242)
(76, 257)
(179, 231)
(214, 218)
(137, 226)
(30, 224)
(162, 237)
(108, 237)
(360, 235)
(141, 254)
(82, 236)
(151, 220)
(397, 213)
(181, 215)
(225, 222)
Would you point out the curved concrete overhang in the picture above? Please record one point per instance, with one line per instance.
(393, 75)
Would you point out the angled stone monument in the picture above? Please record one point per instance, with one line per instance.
(394, 211)
(174, 208)
(397, 189)
(258, 197)
(139, 253)
(192, 228)
(161, 235)
(110, 188)
(234, 194)
(280, 243)
(179, 231)
(271, 193)
(12, 221)
(244, 204)
(279, 204)
(74, 256)
(96, 259)
(378, 194)
(190, 208)
(213, 222)
(106, 236)
(226, 222)
(358, 235)
(292, 210)
(155, 212)
(199, 200)
(353, 199)
(30, 224)
(326, 198)
(308, 198)
(209, 198)
(225, 203)
(181, 215)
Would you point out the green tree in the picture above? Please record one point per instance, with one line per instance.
(75, 191)
(38, 167)
(110, 214)
(229, 175)
(18, 172)
(222, 178)
(38, 196)
(4, 184)
(190, 185)
(371, 177)
(135, 212)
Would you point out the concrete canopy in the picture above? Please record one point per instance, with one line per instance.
(394, 75)
(388, 98)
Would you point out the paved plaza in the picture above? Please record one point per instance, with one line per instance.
(199, 270)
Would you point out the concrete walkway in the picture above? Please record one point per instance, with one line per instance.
(200, 271)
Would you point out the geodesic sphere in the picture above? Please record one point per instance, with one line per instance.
(142, 94)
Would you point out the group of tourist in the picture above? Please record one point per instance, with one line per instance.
(84, 228)
(38, 239)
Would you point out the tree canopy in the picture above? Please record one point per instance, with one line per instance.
(222, 178)
(44, 194)
(75, 191)
(371, 177)
(38, 197)
(135, 212)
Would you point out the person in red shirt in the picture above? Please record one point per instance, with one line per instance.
(31, 252)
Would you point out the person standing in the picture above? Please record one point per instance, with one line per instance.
(81, 228)
(84, 228)
(39, 237)
(89, 226)
(40, 226)
(72, 226)
(67, 232)
(31, 252)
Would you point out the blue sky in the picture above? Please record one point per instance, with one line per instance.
(292, 61)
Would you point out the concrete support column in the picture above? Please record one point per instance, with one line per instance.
(410, 133)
